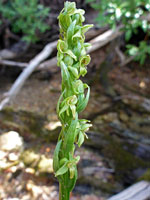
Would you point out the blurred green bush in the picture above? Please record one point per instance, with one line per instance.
(25, 16)
(133, 14)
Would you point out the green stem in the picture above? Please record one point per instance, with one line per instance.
(63, 192)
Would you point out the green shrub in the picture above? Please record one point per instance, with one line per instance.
(25, 16)
(131, 13)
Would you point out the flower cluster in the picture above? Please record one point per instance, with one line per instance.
(72, 59)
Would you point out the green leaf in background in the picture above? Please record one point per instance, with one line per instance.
(26, 17)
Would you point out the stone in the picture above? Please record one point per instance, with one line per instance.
(11, 141)
(45, 165)
(2, 155)
(29, 157)
(13, 157)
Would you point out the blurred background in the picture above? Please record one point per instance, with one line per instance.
(117, 153)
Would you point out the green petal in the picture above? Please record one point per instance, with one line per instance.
(77, 158)
(77, 35)
(63, 109)
(70, 7)
(68, 60)
(81, 12)
(80, 138)
(85, 28)
(65, 74)
(62, 46)
(64, 21)
(73, 110)
(85, 127)
(70, 53)
(78, 87)
(72, 172)
(83, 103)
(83, 71)
(74, 71)
(70, 32)
(85, 60)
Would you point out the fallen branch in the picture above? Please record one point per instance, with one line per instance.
(27, 72)
(13, 63)
(127, 61)
(138, 191)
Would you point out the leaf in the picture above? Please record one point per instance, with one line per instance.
(63, 161)
(70, 136)
(59, 100)
(128, 34)
(142, 59)
(65, 73)
(82, 104)
(56, 156)
(70, 32)
(62, 170)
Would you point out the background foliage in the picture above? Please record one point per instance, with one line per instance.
(133, 14)
(25, 16)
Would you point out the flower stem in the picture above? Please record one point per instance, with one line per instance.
(64, 194)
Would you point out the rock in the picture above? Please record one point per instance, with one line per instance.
(13, 157)
(11, 141)
(31, 125)
(30, 158)
(2, 155)
(45, 165)
(94, 171)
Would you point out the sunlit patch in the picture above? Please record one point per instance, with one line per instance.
(53, 125)
(30, 170)
(147, 6)
(118, 13)
(48, 149)
(137, 15)
(142, 85)
(128, 14)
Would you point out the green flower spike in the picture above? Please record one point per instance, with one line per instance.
(72, 59)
